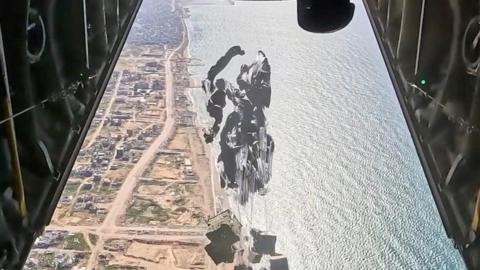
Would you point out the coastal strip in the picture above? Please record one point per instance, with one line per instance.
(142, 187)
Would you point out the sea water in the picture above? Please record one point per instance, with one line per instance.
(347, 191)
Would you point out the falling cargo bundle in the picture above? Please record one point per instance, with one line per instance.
(229, 246)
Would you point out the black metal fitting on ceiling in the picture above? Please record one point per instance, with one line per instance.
(324, 16)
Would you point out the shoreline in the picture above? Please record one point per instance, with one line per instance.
(220, 198)
(158, 187)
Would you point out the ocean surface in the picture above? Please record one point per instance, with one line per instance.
(348, 191)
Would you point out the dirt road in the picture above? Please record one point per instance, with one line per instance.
(124, 194)
(93, 138)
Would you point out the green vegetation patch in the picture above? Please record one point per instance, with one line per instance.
(93, 238)
(162, 183)
(46, 259)
(144, 211)
(190, 188)
(70, 188)
(177, 189)
(105, 189)
(181, 210)
(76, 242)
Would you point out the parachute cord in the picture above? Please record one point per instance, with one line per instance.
(251, 210)
(238, 210)
(267, 227)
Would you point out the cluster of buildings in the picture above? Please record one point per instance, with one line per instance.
(184, 116)
(129, 119)
(56, 261)
(50, 239)
(48, 259)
